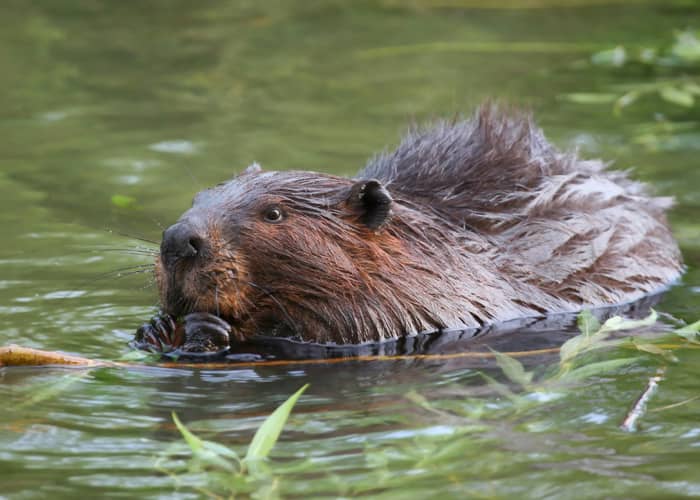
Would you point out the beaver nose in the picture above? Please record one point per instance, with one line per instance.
(181, 241)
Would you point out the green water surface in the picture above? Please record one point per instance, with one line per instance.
(114, 114)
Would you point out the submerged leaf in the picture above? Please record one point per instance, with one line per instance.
(206, 452)
(687, 47)
(122, 201)
(142, 356)
(690, 332)
(617, 323)
(595, 336)
(655, 349)
(677, 96)
(501, 389)
(648, 55)
(587, 323)
(596, 368)
(611, 57)
(266, 436)
(573, 347)
(692, 88)
(625, 100)
(589, 98)
(513, 369)
(192, 441)
(53, 389)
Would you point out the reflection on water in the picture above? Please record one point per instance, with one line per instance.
(115, 114)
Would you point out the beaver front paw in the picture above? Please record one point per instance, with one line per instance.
(160, 334)
(205, 334)
(199, 335)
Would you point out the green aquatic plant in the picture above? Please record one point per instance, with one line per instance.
(123, 201)
(222, 467)
(595, 336)
(471, 424)
(673, 74)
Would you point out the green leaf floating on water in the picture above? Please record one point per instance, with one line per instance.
(207, 453)
(617, 323)
(594, 335)
(687, 47)
(513, 369)
(677, 84)
(141, 356)
(589, 98)
(611, 57)
(192, 441)
(598, 368)
(122, 201)
(690, 332)
(266, 436)
(692, 88)
(625, 100)
(677, 96)
(587, 323)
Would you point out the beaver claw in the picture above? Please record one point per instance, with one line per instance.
(161, 334)
(200, 335)
(205, 334)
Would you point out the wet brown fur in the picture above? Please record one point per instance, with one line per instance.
(488, 223)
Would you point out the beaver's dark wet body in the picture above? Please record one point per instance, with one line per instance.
(466, 224)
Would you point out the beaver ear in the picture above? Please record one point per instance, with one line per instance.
(255, 168)
(373, 202)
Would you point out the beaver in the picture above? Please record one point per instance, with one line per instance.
(466, 224)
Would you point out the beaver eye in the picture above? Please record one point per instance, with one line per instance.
(273, 214)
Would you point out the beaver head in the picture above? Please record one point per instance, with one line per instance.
(295, 254)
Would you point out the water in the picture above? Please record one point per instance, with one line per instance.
(112, 115)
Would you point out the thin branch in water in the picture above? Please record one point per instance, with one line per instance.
(675, 405)
(629, 424)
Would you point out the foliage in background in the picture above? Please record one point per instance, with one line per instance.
(670, 73)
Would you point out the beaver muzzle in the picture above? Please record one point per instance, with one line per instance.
(181, 241)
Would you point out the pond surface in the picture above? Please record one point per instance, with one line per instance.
(112, 116)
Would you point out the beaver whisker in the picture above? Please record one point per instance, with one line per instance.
(139, 238)
(195, 304)
(130, 251)
(249, 305)
(148, 252)
(124, 271)
(157, 222)
(149, 284)
(267, 292)
(130, 273)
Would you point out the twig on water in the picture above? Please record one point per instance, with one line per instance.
(629, 424)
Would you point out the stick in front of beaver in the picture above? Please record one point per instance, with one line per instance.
(466, 224)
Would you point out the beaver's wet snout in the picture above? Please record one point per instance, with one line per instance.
(183, 241)
(188, 272)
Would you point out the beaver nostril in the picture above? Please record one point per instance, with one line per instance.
(181, 240)
(195, 245)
